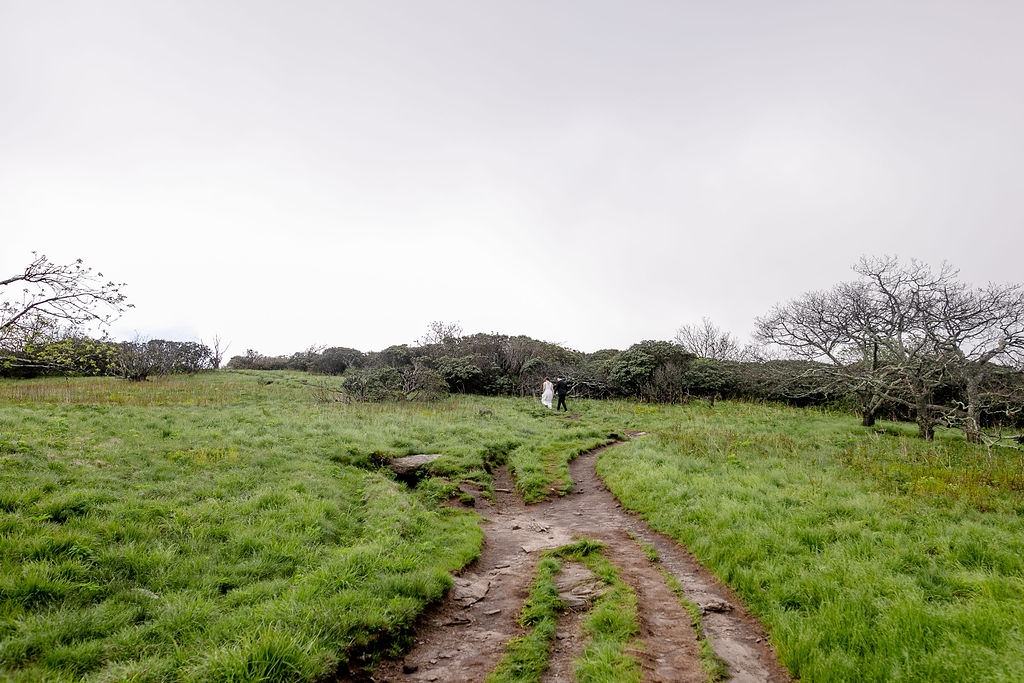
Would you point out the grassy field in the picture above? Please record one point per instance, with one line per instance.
(873, 557)
(229, 526)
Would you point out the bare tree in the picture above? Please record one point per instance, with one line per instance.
(899, 312)
(864, 337)
(981, 332)
(439, 332)
(218, 349)
(53, 296)
(900, 334)
(820, 328)
(707, 340)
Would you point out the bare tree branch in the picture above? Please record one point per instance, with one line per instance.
(54, 295)
(707, 340)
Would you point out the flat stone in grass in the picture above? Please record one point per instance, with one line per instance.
(409, 466)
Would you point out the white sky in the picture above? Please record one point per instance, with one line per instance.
(284, 174)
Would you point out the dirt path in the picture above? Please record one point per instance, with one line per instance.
(463, 637)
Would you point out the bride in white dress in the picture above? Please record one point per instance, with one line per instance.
(549, 393)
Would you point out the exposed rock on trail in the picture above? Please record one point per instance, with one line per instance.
(463, 637)
(469, 589)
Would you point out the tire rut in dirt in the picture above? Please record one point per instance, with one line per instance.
(669, 649)
(569, 641)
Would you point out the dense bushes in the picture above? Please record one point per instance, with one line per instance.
(71, 355)
(254, 360)
(84, 356)
(493, 364)
(394, 384)
(334, 361)
(138, 360)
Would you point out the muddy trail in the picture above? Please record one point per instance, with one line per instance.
(463, 637)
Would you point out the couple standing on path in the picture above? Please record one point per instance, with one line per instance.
(560, 387)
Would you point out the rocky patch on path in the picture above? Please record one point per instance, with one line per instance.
(469, 589)
(578, 587)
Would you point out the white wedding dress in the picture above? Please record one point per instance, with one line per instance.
(549, 393)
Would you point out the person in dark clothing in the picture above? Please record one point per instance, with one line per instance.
(562, 389)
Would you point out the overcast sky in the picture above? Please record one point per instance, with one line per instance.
(284, 174)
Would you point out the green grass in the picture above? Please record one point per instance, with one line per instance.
(228, 526)
(860, 571)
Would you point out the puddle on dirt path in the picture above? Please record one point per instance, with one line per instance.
(463, 637)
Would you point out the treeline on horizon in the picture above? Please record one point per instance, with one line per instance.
(494, 365)
(903, 341)
(516, 365)
(490, 364)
